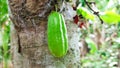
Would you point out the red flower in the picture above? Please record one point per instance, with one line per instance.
(81, 24)
(76, 19)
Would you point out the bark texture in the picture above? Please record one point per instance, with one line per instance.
(28, 35)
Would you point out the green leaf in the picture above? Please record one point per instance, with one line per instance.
(110, 17)
(92, 45)
(82, 2)
(85, 13)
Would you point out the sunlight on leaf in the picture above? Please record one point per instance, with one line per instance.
(110, 17)
(85, 13)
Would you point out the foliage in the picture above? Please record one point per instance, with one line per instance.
(85, 13)
(91, 45)
(106, 55)
(82, 2)
(110, 17)
(3, 12)
(4, 32)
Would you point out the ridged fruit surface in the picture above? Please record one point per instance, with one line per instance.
(57, 34)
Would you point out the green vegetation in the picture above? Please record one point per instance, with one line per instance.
(106, 36)
(4, 33)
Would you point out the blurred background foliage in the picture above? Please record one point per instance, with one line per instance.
(100, 43)
(4, 33)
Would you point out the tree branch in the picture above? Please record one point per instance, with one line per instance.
(96, 13)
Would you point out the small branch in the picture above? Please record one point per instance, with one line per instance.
(91, 2)
(96, 13)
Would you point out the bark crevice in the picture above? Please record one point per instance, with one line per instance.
(19, 44)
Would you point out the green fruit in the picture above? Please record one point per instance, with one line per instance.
(57, 35)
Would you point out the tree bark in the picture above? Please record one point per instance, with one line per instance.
(29, 47)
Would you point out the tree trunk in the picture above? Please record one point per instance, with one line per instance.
(29, 39)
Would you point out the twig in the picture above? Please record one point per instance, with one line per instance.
(96, 13)
(91, 2)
